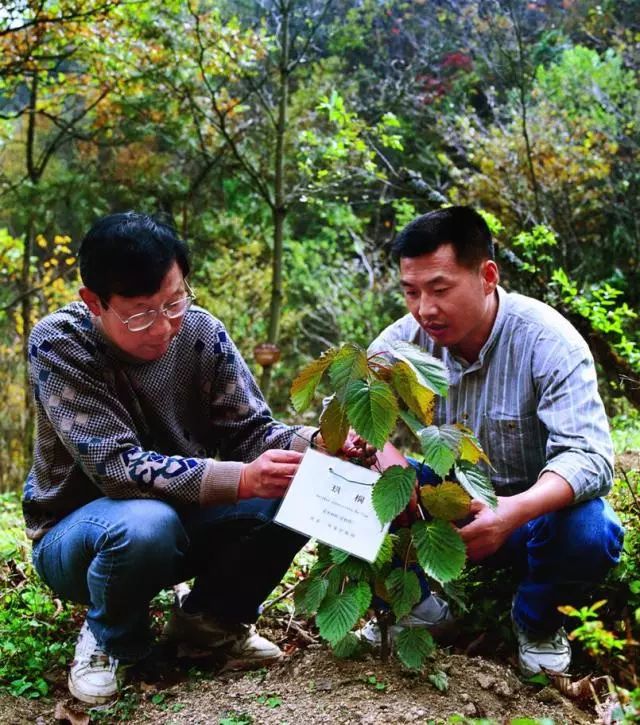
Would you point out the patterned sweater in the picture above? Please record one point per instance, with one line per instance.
(176, 429)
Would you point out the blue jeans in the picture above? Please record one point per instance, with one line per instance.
(116, 555)
(560, 558)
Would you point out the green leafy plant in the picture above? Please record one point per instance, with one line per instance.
(607, 648)
(591, 632)
(376, 684)
(236, 718)
(31, 620)
(371, 394)
(271, 700)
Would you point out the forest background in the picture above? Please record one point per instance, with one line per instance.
(289, 141)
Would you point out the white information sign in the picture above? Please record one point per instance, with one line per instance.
(330, 499)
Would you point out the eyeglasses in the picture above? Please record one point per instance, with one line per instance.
(143, 320)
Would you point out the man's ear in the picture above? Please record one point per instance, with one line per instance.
(490, 276)
(91, 300)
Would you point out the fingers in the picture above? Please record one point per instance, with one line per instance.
(476, 506)
(269, 475)
(281, 455)
(280, 472)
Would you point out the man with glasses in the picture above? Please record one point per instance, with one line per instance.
(156, 460)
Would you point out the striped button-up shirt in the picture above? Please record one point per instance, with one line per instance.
(531, 397)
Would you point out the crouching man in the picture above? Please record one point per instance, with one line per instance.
(156, 460)
(524, 381)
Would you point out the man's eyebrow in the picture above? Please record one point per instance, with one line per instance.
(438, 279)
(143, 306)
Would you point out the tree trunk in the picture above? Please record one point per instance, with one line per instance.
(25, 276)
(279, 208)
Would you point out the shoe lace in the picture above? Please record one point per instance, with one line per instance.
(553, 641)
(96, 658)
(100, 660)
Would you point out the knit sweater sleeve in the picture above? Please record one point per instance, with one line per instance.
(78, 409)
(242, 424)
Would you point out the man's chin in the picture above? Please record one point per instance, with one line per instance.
(437, 334)
(149, 353)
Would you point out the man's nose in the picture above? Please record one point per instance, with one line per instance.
(161, 325)
(428, 307)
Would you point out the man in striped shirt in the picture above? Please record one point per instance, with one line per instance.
(523, 379)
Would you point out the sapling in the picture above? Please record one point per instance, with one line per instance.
(370, 394)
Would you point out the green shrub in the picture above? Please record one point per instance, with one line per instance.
(33, 624)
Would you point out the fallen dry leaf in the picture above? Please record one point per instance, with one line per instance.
(65, 713)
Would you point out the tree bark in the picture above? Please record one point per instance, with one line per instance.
(25, 275)
(279, 212)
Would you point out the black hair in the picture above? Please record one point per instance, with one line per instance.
(460, 226)
(129, 254)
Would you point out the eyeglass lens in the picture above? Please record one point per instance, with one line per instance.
(141, 321)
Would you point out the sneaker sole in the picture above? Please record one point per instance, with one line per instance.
(90, 699)
(239, 664)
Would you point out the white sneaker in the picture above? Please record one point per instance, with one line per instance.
(251, 650)
(535, 654)
(432, 613)
(244, 647)
(92, 677)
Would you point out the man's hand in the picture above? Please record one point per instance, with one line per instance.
(489, 529)
(269, 475)
(357, 447)
(354, 447)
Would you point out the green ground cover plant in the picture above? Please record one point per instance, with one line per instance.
(35, 628)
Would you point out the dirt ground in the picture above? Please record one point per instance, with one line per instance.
(311, 686)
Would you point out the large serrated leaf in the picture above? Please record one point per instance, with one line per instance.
(362, 593)
(404, 588)
(309, 595)
(385, 553)
(347, 646)
(414, 425)
(440, 447)
(338, 556)
(334, 425)
(476, 483)
(335, 577)
(304, 386)
(441, 551)
(447, 501)
(470, 448)
(337, 616)
(323, 554)
(348, 365)
(392, 492)
(413, 646)
(357, 569)
(431, 372)
(418, 398)
(372, 410)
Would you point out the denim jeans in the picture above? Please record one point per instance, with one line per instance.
(116, 555)
(559, 558)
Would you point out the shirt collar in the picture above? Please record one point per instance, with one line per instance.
(488, 346)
